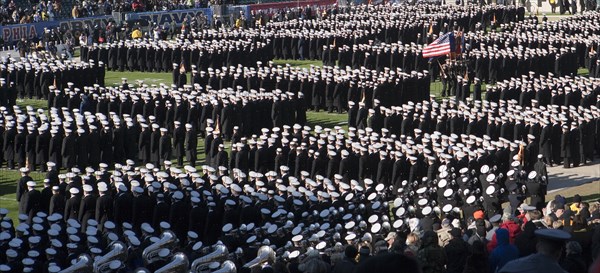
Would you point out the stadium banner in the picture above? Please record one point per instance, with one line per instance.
(13, 33)
(295, 4)
(76, 26)
(167, 17)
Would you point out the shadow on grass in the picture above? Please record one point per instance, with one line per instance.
(9, 179)
(299, 63)
(326, 123)
(586, 198)
(7, 190)
(564, 181)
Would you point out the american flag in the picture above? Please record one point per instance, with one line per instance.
(440, 47)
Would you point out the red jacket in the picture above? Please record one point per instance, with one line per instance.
(513, 230)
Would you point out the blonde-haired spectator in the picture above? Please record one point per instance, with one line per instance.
(413, 243)
(548, 221)
(557, 225)
(75, 12)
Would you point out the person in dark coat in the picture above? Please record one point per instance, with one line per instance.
(22, 183)
(68, 150)
(531, 152)
(348, 262)
(94, 151)
(72, 205)
(317, 93)
(46, 196)
(178, 214)
(179, 142)
(457, 251)
(57, 201)
(361, 116)
(118, 143)
(191, 144)
(431, 256)
(87, 207)
(588, 129)
(196, 216)
(384, 168)
(276, 112)
(352, 112)
(42, 144)
(122, 203)
(300, 109)
(221, 157)
(104, 205)
(574, 145)
(161, 211)
(106, 146)
(144, 144)
(526, 240)
(242, 158)
(55, 147)
(477, 261)
(19, 147)
(155, 145)
(30, 201)
(388, 263)
(164, 147)
(556, 143)
(142, 207)
(30, 152)
(333, 165)
(546, 143)
(131, 59)
(8, 145)
(82, 144)
(573, 261)
(131, 133)
(565, 147)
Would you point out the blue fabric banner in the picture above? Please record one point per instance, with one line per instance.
(13, 33)
(162, 17)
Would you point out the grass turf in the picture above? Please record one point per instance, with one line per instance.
(113, 78)
(36, 104)
(299, 63)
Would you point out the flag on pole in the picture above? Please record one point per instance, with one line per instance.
(440, 47)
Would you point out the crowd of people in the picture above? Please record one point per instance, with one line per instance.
(223, 172)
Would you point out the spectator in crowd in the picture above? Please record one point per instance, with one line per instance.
(573, 261)
(412, 245)
(477, 261)
(75, 12)
(457, 251)
(504, 251)
(431, 256)
(348, 262)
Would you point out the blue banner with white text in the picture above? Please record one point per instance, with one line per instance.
(13, 33)
(167, 17)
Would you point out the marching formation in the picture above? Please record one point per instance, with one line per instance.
(223, 172)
